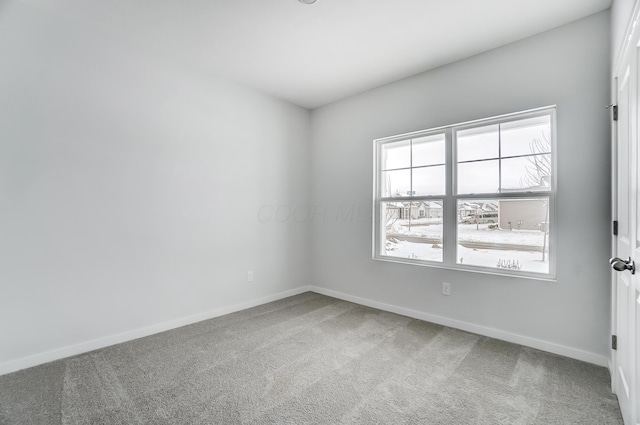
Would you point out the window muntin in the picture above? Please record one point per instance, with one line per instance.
(413, 167)
(509, 156)
(498, 172)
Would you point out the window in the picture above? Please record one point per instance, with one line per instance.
(473, 196)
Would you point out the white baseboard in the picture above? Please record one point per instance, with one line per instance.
(94, 344)
(473, 328)
(83, 347)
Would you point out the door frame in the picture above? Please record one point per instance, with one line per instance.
(631, 41)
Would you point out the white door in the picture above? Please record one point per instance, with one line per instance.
(626, 290)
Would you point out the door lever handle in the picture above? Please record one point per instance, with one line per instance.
(620, 265)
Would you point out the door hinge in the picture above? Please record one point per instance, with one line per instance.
(614, 342)
(615, 227)
(615, 112)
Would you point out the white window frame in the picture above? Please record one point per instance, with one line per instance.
(450, 198)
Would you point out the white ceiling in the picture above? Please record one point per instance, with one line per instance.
(312, 55)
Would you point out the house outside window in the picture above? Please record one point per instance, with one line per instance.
(475, 196)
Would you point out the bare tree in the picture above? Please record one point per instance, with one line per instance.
(538, 167)
(392, 215)
(538, 175)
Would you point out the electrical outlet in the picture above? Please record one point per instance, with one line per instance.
(249, 276)
(446, 288)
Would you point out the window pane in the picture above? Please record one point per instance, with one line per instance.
(530, 173)
(477, 143)
(396, 183)
(396, 155)
(526, 137)
(412, 230)
(478, 177)
(505, 234)
(429, 150)
(429, 180)
(496, 174)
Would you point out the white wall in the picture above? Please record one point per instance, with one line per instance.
(130, 189)
(569, 67)
(136, 192)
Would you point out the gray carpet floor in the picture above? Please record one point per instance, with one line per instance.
(311, 359)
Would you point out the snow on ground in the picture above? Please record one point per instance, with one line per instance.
(470, 233)
(415, 251)
(432, 229)
(530, 261)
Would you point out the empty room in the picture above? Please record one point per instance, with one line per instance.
(319, 212)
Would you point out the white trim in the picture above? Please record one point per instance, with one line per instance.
(550, 347)
(508, 116)
(614, 243)
(451, 197)
(94, 344)
(627, 40)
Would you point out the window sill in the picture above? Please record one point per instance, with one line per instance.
(473, 269)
